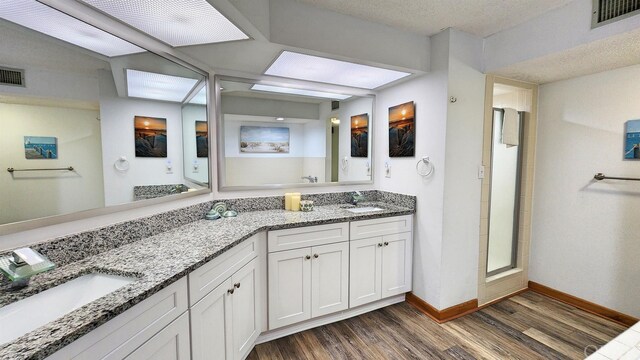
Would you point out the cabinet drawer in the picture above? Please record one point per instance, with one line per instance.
(307, 236)
(126, 332)
(207, 277)
(172, 343)
(377, 227)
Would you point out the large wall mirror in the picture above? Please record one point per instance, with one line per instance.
(275, 136)
(90, 121)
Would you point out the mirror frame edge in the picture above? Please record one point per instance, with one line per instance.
(221, 180)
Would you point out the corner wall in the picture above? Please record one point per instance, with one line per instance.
(587, 231)
(446, 231)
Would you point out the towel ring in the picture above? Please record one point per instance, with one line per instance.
(122, 164)
(424, 167)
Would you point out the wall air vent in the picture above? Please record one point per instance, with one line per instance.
(12, 77)
(608, 11)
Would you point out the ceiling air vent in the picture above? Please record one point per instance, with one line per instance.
(13, 77)
(608, 11)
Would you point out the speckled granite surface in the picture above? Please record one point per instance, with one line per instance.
(143, 192)
(72, 248)
(158, 261)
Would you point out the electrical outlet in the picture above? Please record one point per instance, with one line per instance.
(481, 172)
(387, 170)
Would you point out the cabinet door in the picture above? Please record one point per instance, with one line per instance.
(365, 267)
(211, 324)
(329, 278)
(246, 311)
(289, 287)
(396, 264)
(172, 343)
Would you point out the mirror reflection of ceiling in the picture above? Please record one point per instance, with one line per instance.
(44, 19)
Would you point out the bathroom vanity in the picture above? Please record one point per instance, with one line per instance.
(213, 289)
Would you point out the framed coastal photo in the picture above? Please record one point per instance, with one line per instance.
(262, 139)
(150, 136)
(40, 147)
(202, 139)
(632, 140)
(360, 135)
(402, 130)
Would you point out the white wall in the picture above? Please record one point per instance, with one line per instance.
(446, 232)
(462, 189)
(190, 114)
(117, 116)
(430, 95)
(30, 195)
(587, 231)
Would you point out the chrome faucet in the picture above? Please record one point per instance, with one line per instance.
(312, 179)
(22, 264)
(356, 197)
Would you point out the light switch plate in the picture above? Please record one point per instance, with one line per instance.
(481, 172)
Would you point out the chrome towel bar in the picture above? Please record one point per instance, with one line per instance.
(12, 170)
(601, 176)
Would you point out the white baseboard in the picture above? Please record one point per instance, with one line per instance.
(327, 319)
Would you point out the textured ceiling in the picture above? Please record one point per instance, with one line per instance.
(479, 17)
(611, 53)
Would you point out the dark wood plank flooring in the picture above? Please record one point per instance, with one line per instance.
(527, 326)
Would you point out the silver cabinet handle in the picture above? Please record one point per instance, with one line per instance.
(315, 255)
(236, 285)
(307, 257)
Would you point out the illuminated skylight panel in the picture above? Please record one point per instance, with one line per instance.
(319, 69)
(42, 18)
(148, 85)
(292, 91)
(177, 23)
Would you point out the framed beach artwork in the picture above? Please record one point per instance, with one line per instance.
(632, 140)
(360, 135)
(259, 139)
(402, 130)
(202, 139)
(150, 136)
(40, 147)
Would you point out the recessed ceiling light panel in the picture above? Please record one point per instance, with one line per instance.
(148, 85)
(177, 23)
(292, 91)
(319, 69)
(42, 18)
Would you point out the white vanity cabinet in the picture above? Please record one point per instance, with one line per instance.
(226, 321)
(308, 281)
(380, 259)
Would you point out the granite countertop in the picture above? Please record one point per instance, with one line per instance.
(157, 262)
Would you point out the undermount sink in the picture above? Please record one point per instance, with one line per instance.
(366, 209)
(26, 315)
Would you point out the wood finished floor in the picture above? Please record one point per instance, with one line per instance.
(527, 326)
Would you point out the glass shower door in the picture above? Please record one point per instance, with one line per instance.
(504, 199)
